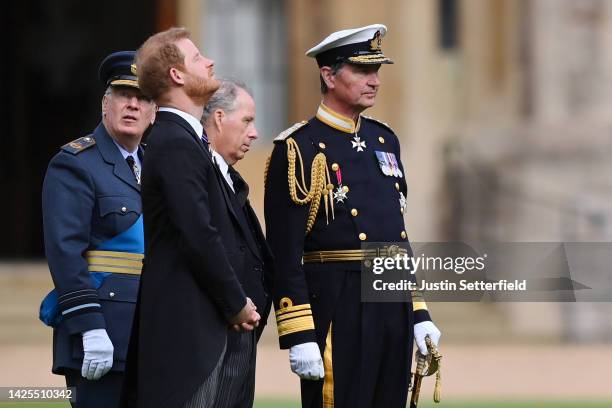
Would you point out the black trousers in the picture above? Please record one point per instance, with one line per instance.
(371, 353)
(103, 393)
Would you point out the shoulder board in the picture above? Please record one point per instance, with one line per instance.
(379, 122)
(79, 145)
(288, 132)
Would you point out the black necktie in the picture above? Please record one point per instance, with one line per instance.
(130, 161)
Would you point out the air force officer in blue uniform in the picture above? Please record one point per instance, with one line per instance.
(94, 239)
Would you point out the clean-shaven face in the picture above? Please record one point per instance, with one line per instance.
(126, 112)
(237, 129)
(357, 85)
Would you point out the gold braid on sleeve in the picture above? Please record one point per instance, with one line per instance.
(320, 183)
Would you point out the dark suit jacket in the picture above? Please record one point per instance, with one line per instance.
(189, 287)
(256, 274)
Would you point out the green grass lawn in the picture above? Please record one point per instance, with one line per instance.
(424, 404)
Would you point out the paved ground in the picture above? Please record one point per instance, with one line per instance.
(486, 370)
(468, 372)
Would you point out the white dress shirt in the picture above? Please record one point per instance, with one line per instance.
(224, 167)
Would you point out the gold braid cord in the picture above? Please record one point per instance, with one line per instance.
(320, 182)
(266, 169)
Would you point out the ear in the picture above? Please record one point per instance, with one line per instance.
(104, 104)
(177, 76)
(153, 114)
(218, 117)
(328, 77)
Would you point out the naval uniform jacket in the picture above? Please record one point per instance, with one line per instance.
(371, 212)
(368, 207)
(90, 196)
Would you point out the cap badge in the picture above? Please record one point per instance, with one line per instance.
(376, 43)
(133, 69)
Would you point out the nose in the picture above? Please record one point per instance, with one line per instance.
(133, 102)
(253, 134)
(373, 79)
(209, 63)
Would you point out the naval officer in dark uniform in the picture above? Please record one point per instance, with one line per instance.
(94, 241)
(333, 183)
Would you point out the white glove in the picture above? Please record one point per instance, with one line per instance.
(306, 362)
(98, 358)
(423, 329)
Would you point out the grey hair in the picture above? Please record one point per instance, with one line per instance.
(225, 97)
(334, 70)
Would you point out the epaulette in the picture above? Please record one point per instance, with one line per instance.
(379, 122)
(78, 145)
(288, 132)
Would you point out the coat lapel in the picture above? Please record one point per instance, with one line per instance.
(111, 154)
(182, 122)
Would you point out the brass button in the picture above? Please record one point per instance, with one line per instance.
(397, 186)
(354, 212)
(322, 145)
(403, 234)
(123, 209)
(345, 189)
(335, 167)
(112, 294)
(362, 236)
(402, 210)
(381, 139)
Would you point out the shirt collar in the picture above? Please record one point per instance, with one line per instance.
(223, 166)
(336, 120)
(124, 152)
(192, 120)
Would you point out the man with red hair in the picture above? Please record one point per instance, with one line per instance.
(190, 294)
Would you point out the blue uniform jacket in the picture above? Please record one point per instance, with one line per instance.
(90, 196)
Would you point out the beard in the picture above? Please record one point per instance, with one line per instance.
(199, 90)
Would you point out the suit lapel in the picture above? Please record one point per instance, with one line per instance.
(169, 116)
(111, 154)
(266, 252)
(173, 117)
(225, 189)
(239, 198)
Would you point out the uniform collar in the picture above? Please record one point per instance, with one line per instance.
(332, 118)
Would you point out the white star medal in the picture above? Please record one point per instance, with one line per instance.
(358, 143)
(402, 201)
(340, 194)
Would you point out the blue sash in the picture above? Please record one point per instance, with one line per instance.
(130, 240)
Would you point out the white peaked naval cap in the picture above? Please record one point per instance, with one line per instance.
(356, 45)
